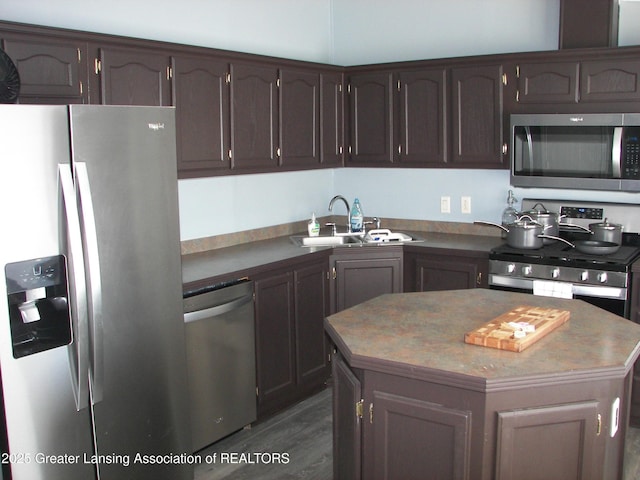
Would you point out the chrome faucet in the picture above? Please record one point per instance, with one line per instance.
(346, 204)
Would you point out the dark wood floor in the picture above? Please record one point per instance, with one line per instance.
(304, 433)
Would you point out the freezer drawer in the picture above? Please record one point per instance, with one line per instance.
(220, 338)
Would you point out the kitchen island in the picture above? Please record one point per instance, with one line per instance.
(412, 400)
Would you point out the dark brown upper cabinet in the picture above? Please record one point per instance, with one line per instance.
(130, 76)
(331, 119)
(299, 118)
(254, 117)
(51, 70)
(477, 117)
(371, 139)
(547, 82)
(423, 117)
(201, 97)
(610, 80)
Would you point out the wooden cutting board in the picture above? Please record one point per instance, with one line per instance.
(499, 334)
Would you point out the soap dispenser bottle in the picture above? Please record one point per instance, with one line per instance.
(357, 217)
(313, 226)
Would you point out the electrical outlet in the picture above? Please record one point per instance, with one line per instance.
(465, 204)
(445, 204)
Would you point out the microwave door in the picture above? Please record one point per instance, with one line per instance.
(616, 153)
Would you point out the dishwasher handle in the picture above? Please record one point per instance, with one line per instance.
(217, 310)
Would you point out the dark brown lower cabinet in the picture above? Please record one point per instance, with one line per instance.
(404, 425)
(292, 353)
(635, 316)
(361, 274)
(435, 269)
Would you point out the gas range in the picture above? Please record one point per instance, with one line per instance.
(558, 269)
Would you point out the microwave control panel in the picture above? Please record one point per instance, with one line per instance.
(631, 152)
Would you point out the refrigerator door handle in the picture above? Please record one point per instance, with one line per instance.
(94, 297)
(71, 242)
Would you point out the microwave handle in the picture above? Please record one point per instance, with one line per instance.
(616, 152)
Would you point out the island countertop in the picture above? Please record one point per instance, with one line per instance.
(421, 335)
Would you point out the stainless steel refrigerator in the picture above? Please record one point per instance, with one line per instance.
(92, 352)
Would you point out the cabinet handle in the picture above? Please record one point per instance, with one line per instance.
(371, 413)
(479, 279)
(333, 273)
(504, 79)
(97, 66)
(599, 427)
(505, 148)
(169, 73)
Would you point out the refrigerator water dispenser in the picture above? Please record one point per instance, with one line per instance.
(38, 308)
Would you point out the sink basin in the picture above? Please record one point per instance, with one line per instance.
(325, 241)
(382, 237)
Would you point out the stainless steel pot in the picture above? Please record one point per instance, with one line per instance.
(524, 233)
(550, 220)
(606, 232)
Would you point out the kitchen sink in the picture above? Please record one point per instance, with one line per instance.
(374, 237)
(325, 240)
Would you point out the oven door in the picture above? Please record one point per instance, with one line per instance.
(611, 299)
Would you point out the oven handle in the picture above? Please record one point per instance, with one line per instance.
(577, 289)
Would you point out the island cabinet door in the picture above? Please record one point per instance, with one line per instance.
(554, 442)
(347, 422)
(405, 437)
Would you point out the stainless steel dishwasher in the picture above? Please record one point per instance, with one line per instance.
(219, 323)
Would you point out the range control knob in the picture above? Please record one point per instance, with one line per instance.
(511, 268)
(584, 276)
(602, 277)
(526, 270)
(555, 273)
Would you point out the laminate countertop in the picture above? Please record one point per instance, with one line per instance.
(421, 335)
(244, 259)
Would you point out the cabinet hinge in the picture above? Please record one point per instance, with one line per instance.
(169, 73)
(599, 425)
(360, 409)
(504, 79)
(228, 78)
(97, 66)
(79, 55)
(371, 413)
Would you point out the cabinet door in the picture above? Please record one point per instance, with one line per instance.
(347, 422)
(275, 343)
(555, 443)
(254, 117)
(311, 302)
(201, 98)
(406, 438)
(635, 317)
(331, 119)
(360, 278)
(449, 273)
(547, 82)
(130, 76)
(477, 123)
(299, 118)
(423, 133)
(371, 128)
(610, 81)
(52, 71)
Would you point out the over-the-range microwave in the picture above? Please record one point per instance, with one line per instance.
(582, 151)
